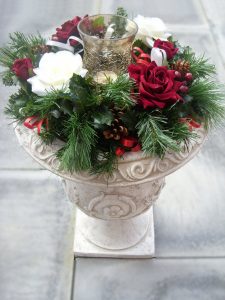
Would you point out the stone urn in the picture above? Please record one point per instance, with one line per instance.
(114, 216)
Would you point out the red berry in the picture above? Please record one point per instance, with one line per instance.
(183, 89)
(119, 151)
(177, 75)
(188, 76)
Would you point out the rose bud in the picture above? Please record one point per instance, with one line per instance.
(23, 68)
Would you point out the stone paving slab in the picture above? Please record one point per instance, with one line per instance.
(36, 237)
(156, 279)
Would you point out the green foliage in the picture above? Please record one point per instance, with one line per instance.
(98, 22)
(104, 162)
(20, 46)
(54, 103)
(83, 93)
(199, 65)
(19, 105)
(118, 93)
(154, 138)
(140, 44)
(9, 78)
(81, 140)
(103, 116)
(120, 23)
(208, 102)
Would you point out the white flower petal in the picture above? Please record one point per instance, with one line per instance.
(55, 71)
(37, 86)
(150, 28)
(159, 56)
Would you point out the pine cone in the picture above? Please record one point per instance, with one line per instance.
(117, 130)
(182, 66)
(40, 49)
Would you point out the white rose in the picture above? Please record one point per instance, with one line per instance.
(55, 71)
(149, 28)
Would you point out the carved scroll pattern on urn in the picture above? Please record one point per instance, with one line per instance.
(131, 171)
(120, 203)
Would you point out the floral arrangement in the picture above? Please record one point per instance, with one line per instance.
(155, 106)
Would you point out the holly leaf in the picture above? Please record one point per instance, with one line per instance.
(66, 107)
(82, 93)
(98, 22)
(101, 118)
(138, 43)
(129, 119)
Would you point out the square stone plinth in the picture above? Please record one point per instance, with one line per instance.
(145, 248)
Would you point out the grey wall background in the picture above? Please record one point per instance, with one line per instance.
(36, 235)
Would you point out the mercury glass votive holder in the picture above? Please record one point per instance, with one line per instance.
(107, 42)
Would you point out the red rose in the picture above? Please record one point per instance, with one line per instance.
(167, 46)
(23, 68)
(67, 29)
(157, 85)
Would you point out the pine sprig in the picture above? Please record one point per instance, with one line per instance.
(118, 92)
(54, 103)
(154, 138)
(199, 65)
(20, 46)
(76, 154)
(104, 162)
(208, 102)
(20, 104)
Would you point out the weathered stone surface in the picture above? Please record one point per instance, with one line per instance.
(36, 237)
(157, 279)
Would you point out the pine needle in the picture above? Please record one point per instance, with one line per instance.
(76, 154)
(154, 139)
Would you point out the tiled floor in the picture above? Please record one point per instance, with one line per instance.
(36, 220)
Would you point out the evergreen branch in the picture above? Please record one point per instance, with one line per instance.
(154, 138)
(20, 104)
(20, 46)
(199, 65)
(104, 162)
(9, 78)
(53, 103)
(76, 154)
(118, 92)
(180, 132)
(208, 102)
(140, 44)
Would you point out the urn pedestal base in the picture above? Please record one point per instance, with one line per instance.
(115, 238)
